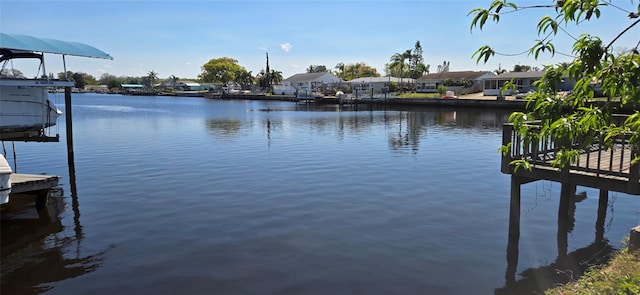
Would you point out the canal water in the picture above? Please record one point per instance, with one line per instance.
(195, 196)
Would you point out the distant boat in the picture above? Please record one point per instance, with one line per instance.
(25, 108)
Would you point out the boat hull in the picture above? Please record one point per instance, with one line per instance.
(5, 180)
(25, 109)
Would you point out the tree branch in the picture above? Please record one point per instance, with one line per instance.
(621, 33)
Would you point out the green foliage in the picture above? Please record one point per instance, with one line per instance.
(358, 70)
(317, 69)
(415, 95)
(266, 79)
(244, 77)
(442, 89)
(79, 79)
(520, 164)
(564, 116)
(409, 63)
(524, 68)
(463, 82)
(150, 80)
(509, 85)
(505, 149)
(620, 276)
(484, 53)
(220, 70)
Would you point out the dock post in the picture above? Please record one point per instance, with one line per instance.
(514, 207)
(565, 216)
(603, 203)
(514, 231)
(69, 129)
(42, 198)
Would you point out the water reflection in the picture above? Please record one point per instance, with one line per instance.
(35, 250)
(567, 266)
(406, 126)
(225, 128)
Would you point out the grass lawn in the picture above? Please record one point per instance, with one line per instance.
(417, 95)
(620, 276)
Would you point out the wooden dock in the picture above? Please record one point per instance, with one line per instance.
(598, 166)
(604, 167)
(33, 184)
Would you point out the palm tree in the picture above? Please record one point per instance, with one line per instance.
(340, 68)
(444, 67)
(275, 77)
(244, 78)
(263, 79)
(398, 59)
(173, 80)
(151, 78)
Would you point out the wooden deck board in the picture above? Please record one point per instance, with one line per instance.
(23, 183)
(617, 160)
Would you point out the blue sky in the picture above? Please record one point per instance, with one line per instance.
(173, 37)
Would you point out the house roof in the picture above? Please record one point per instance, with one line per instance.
(381, 80)
(131, 85)
(189, 83)
(308, 77)
(462, 75)
(519, 75)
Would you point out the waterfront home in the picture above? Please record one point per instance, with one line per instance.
(311, 82)
(462, 81)
(189, 86)
(524, 82)
(379, 84)
(132, 88)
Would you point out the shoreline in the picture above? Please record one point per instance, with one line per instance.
(467, 101)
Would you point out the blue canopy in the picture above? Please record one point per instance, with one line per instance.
(28, 43)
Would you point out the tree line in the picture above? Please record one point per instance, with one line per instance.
(227, 70)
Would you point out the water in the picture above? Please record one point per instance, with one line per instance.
(196, 196)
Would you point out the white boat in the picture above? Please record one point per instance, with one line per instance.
(25, 108)
(5, 182)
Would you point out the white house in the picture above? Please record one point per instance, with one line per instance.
(455, 81)
(188, 86)
(378, 84)
(309, 82)
(523, 80)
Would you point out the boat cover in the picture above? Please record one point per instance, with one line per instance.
(45, 45)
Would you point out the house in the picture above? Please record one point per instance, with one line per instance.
(311, 82)
(462, 81)
(524, 82)
(188, 86)
(379, 84)
(132, 88)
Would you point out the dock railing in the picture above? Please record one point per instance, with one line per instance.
(596, 161)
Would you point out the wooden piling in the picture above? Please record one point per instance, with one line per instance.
(69, 128)
(514, 209)
(603, 203)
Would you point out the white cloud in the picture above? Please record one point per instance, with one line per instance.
(286, 46)
(187, 63)
(294, 65)
(262, 48)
